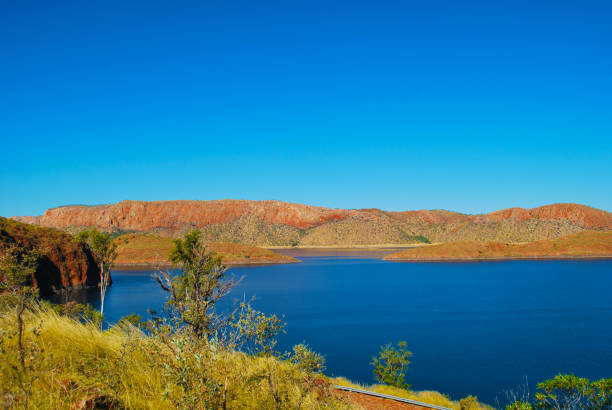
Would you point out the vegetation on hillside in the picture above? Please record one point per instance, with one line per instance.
(64, 261)
(566, 391)
(274, 223)
(583, 244)
(70, 364)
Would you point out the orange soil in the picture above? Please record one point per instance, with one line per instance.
(376, 403)
(144, 249)
(582, 244)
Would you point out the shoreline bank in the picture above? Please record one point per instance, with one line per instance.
(500, 259)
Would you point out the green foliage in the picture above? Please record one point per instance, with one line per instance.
(600, 393)
(307, 360)
(569, 391)
(131, 320)
(519, 405)
(17, 267)
(391, 364)
(469, 403)
(77, 311)
(252, 326)
(102, 245)
(566, 391)
(105, 251)
(197, 289)
(419, 238)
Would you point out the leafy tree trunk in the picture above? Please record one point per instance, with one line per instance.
(102, 290)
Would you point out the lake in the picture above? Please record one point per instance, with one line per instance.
(474, 327)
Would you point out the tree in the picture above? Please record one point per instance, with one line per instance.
(77, 311)
(469, 403)
(307, 360)
(196, 290)
(17, 266)
(519, 405)
(391, 365)
(566, 391)
(105, 251)
(250, 325)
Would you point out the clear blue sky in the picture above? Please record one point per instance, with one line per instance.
(469, 106)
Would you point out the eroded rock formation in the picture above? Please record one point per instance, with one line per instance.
(66, 264)
(270, 223)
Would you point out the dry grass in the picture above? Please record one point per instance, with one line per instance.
(582, 244)
(74, 365)
(69, 364)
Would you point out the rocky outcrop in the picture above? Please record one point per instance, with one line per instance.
(273, 223)
(174, 216)
(578, 215)
(66, 264)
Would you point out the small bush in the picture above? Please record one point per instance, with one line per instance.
(391, 364)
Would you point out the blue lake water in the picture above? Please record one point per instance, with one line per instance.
(473, 327)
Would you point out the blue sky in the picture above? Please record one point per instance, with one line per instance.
(468, 106)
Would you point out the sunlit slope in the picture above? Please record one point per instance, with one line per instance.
(583, 244)
(145, 249)
(276, 223)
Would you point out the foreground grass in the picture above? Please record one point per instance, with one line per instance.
(69, 364)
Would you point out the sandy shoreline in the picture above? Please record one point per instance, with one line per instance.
(376, 246)
(167, 265)
(500, 259)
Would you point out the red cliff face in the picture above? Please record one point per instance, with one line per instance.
(66, 264)
(175, 215)
(271, 223)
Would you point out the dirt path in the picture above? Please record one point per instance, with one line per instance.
(370, 402)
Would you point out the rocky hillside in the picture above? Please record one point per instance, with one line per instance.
(274, 223)
(67, 263)
(147, 249)
(578, 245)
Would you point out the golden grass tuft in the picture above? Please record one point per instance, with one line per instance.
(72, 365)
(69, 364)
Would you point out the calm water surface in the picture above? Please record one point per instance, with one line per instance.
(474, 328)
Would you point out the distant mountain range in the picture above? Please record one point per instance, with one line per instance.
(276, 223)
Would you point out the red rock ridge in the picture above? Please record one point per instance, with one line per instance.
(174, 215)
(581, 215)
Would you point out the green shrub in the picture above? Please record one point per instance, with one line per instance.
(391, 364)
